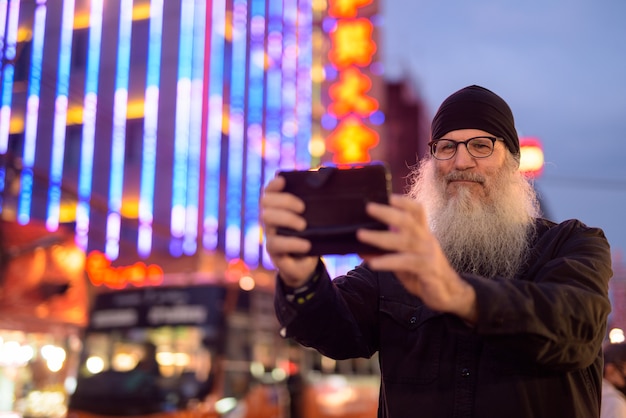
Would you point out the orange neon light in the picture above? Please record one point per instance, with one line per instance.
(352, 43)
(351, 141)
(100, 272)
(349, 96)
(346, 8)
(236, 270)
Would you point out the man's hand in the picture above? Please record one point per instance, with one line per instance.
(417, 259)
(280, 209)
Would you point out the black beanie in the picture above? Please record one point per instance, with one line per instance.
(475, 107)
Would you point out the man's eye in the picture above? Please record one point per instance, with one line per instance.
(446, 146)
(480, 145)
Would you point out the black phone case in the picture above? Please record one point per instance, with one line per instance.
(335, 201)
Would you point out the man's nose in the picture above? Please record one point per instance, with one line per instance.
(463, 158)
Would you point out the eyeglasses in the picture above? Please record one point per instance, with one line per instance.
(478, 147)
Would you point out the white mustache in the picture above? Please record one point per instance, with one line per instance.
(462, 176)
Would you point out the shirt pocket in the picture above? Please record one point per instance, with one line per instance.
(410, 342)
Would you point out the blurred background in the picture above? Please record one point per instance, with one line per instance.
(136, 136)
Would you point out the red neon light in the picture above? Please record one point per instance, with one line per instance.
(100, 272)
(531, 157)
(346, 8)
(352, 43)
(348, 94)
(351, 141)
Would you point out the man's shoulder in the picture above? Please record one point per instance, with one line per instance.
(544, 225)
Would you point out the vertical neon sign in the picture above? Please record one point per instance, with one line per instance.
(190, 241)
(32, 114)
(90, 105)
(195, 129)
(181, 141)
(120, 105)
(254, 132)
(60, 116)
(214, 126)
(234, 179)
(304, 83)
(289, 66)
(273, 103)
(352, 50)
(151, 114)
(9, 14)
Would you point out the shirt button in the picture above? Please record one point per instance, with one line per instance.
(465, 372)
(413, 320)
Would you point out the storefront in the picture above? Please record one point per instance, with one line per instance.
(43, 310)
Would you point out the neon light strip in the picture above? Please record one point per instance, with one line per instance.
(234, 180)
(214, 127)
(32, 112)
(6, 77)
(181, 139)
(256, 70)
(289, 67)
(90, 105)
(120, 104)
(151, 114)
(304, 84)
(273, 101)
(7, 50)
(190, 244)
(3, 21)
(60, 116)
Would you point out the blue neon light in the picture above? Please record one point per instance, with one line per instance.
(181, 140)
(254, 134)
(190, 244)
(273, 102)
(234, 180)
(151, 114)
(90, 105)
(304, 84)
(120, 104)
(32, 114)
(6, 78)
(289, 91)
(60, 116)
(3, 21)
(6, 87)
(214, 126)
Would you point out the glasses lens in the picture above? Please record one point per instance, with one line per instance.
(444, 149)
(480, 147)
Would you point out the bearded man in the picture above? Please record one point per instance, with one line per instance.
(478, 307)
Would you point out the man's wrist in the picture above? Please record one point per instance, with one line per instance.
(305, 292)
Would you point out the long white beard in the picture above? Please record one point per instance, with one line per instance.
(488, 234)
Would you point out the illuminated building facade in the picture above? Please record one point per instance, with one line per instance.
(150, 126)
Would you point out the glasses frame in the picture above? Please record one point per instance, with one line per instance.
(432, 144)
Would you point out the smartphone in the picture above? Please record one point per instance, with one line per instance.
(335, 199)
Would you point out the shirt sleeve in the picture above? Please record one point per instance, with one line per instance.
(556, 314)
(328, 317)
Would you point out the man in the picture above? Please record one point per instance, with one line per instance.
(614, 382)
(479, 308)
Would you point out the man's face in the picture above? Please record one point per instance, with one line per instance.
(466, 176)
(481, 210)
